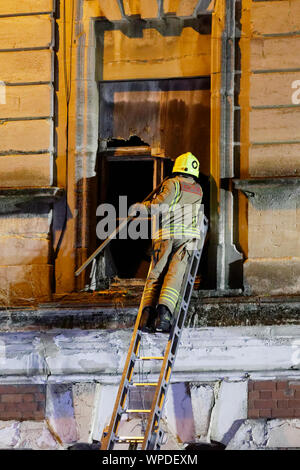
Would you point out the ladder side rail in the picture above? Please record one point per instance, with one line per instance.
(107, 441)
(152, 431)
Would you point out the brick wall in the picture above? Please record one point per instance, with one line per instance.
(273, 399)
(22, 402)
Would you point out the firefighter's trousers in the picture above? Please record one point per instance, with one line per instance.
(167, 269)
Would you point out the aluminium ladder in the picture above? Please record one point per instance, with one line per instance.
(152, 438)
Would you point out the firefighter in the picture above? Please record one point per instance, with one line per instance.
(176, 211)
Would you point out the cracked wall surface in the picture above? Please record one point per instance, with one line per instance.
(79, 412)
(207, 400)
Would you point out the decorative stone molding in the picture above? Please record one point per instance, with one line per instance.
(27, 199)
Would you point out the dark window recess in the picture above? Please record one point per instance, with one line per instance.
(144, 125)
(134, 179)
(133, 141)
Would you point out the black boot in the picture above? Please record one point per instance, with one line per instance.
(164, 319)
(149, 316)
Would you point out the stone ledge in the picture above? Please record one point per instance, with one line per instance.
(204, 353)
(253, 186)
(20, 199)
(209, 312)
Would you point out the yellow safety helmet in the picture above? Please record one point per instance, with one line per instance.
(187, 163)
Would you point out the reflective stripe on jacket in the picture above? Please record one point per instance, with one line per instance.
(176, 209)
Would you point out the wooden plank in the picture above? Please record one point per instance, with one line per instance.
(283, 17)
(17, 7)
(25, 170)
(275, 53)
(270, 125)
(267, 89)
(26, 66)
(26, 136)
(155, 56)
(27, 101)
(21, 32)
(274, 160)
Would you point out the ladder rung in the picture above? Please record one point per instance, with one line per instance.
(150, 358)
(138, 411)
(145, 384)
(130, 439)
(152, 435)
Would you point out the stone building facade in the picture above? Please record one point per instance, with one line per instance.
(96, 95)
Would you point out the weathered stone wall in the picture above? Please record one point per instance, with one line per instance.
(219, 388)
(26, 144)
(270, 119)
(124, 53)
(195, 412)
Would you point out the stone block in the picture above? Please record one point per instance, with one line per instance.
(25, 170)
(283, 433)
(144, 8)
(26, 66)
(185, 7)
(251, 435)
(274, 53)
(274, 160)
(27, 101)
(106, 395)
(165, 57)
(229, 411)
(26, 136)
(283, 17)
(36, 436)
(272, 276)
(9, 434)
(60, 412)
(104, 8)
(25, 282)
(22, 249)
(169, 414)
(273, 222)
(84, 402)
(14, 7)
(269, 89)
(266, 434)
(18, 32)
(274, 125)
(170, 442)
(276, 241)
(202, 397)
(183, 411)
(25, 224)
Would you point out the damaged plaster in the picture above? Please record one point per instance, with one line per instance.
(217, 352)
